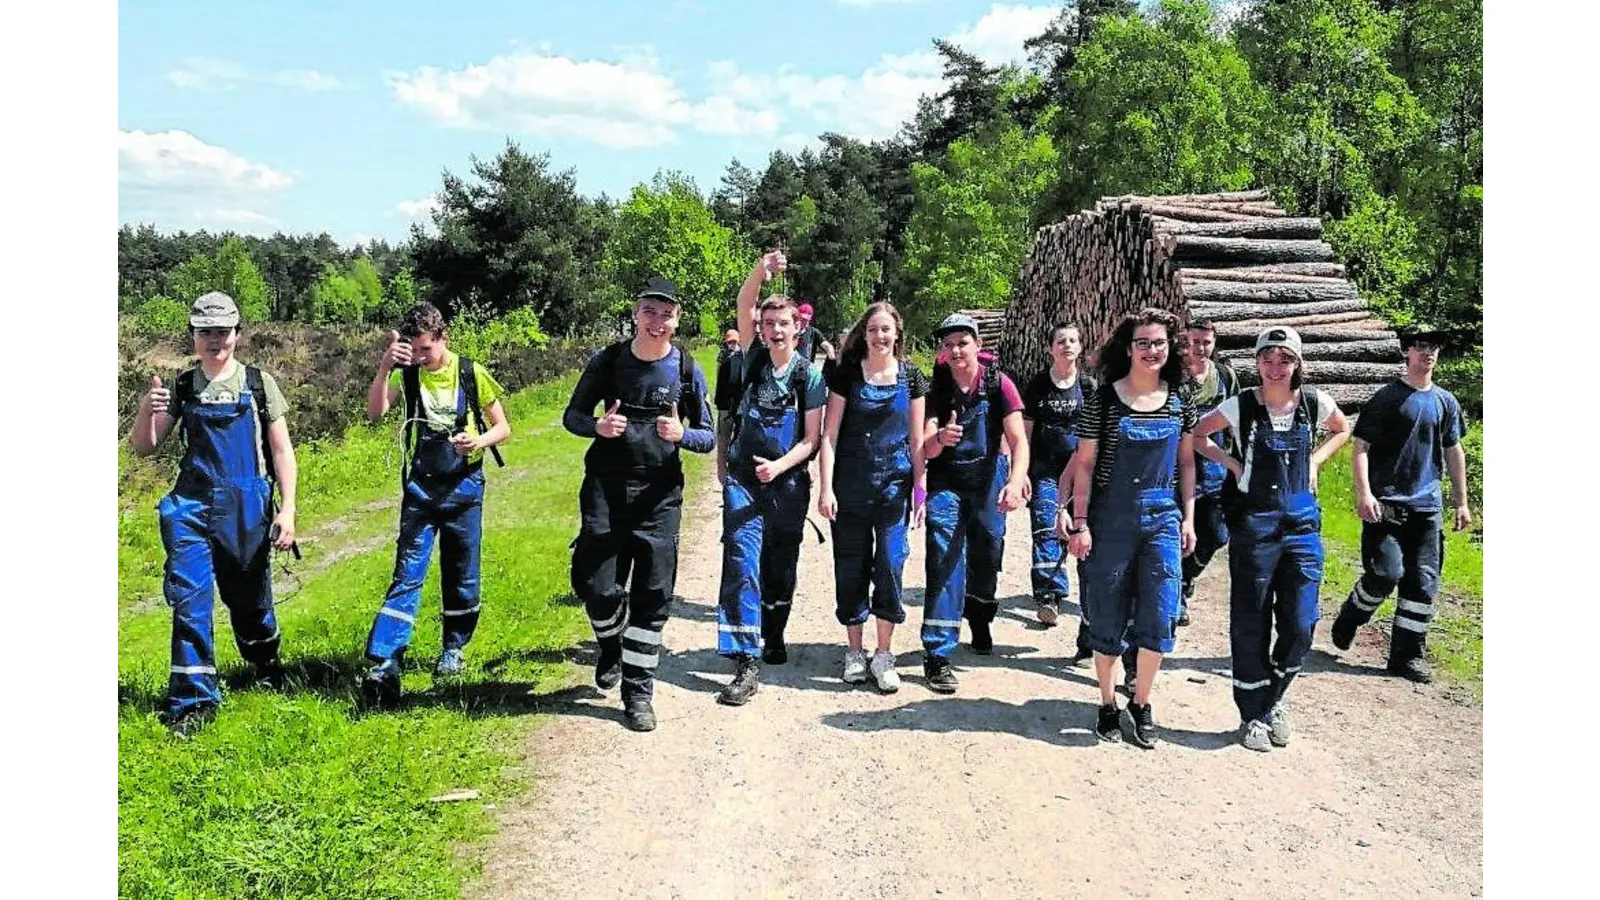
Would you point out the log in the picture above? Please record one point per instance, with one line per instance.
(1264, 228)
(1350, 397)
(1268, 292)
(1252, 327)
(1319, 372)
(1246, 250)
(1195, 214)
(1278, 313)
(1381, 351)
(1229, 334)
(1254, 275)
(1319, 269)
(1258, 194)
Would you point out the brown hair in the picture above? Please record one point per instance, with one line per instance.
(420, 319)
(1116, 357)
(778, 301)
(855, 347)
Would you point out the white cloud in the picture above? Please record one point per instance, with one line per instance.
(997, 37)
(210, 73)
(416, 209)
(625, 104)
(176, 179)
(874, 2)
(357, 240)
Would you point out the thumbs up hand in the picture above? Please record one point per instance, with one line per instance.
(670, 427)
(766, 469)
(612, 424)
(398, 352)
(950, 435)
(160, 397)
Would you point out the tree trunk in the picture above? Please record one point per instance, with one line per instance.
(1268, 292)
(1276, 313)
(1260, 228)
(1245, 250)
(1382, 351)
(1319, 372)
(1243, 334)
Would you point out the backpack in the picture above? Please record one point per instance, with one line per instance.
(411, 384)
(607, 372)
(942, 392)
(799, 374)
(1232, 498)
(185, 395)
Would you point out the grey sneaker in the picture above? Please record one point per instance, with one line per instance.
(1049, 613)
(883, 672)
(451, 663)
(1278, 724)
(855, 667)
(1257, 736)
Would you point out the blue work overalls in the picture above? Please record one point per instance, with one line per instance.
(214, 526)
(872, 482)
(1130, 583)
(966, 529)
(1210, 525)
(1051, 449)
(762, 524)
(1275, 564)
(442, 495)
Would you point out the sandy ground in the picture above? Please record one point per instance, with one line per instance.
(820, 789)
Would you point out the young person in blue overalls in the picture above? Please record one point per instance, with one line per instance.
(872, 483)
(1131, 520)
(1407, 437)
(218, 524)
(447, 399)
(972, 408)
(1275, 558)
(768, 488)
(1051, 405)
(1209, 382)
(631, 499)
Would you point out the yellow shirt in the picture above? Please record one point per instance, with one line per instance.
(439, 391)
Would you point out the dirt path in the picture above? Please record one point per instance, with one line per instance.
(819, 789)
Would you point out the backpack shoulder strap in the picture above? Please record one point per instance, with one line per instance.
(469, 387)
(184, 394)
(941, 392)
(1308, 406)
(1249, 411)
(799, 376)
(411, 393)
(257, 386)
(686, 371)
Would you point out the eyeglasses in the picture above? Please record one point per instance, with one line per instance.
(1150, 344)
(1427, 346)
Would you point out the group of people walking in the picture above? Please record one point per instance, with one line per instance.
(1141, 471)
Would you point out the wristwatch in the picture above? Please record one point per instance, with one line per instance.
(1080, 530)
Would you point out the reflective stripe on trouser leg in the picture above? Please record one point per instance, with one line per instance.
(1382, 565)
(739, 599)
(945, 567)
(600, 561)
(986, 547)
(460, 558)
(187, 586)
(783, 528)
(396, 618)
(1253, 562)
(1158, 576)
(1295, 606)
(654, 545)
(1421, 542)
(1048, 578)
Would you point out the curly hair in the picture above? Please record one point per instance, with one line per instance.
(855, 347)
(779, 301)
(423, 318)
(1116, 355)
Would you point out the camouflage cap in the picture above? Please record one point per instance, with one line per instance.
(214, 310)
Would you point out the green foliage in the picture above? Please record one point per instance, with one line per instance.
(161, 316)
(337, 298)
(480, 335)
(231, 271)
(1378, 244)
(666, 229)
(970, 228)
(401, 296)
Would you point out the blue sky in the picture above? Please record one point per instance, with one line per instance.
(340, 117)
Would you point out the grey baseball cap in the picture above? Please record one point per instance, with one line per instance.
(214, 310)
(1279, 336)
(956, 322)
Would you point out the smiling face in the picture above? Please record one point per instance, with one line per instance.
(777, 326)
(1197, 345)
(1150, 348)
(1277, 366)
(881, 334)
(1065, 347)
(961, 348)
(215, 345)
(655, 319)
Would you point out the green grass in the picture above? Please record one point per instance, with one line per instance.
(1456, 638)
(303, 794)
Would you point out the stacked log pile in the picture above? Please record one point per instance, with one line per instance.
(1235, 258)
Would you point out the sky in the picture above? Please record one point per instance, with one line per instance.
(309, 117)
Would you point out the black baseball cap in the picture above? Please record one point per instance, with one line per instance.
(658, 288)
(1423, 333)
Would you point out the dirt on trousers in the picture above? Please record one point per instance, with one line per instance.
(820, 789)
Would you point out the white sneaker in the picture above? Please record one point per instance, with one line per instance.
(883, 671)
(1257, 736)
(855, 666)
(1278, 726)
(1048, 613)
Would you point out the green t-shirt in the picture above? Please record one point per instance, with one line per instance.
(229, 385)
(439, 390)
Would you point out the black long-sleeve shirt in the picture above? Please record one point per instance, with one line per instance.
(647, 389)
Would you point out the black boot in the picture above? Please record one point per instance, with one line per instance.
(381, 687)
(271, 674)
(1408, 656)
(638, 714)
(1344, 625)
(608, 667)
(982, 640)
(941, 677)
(746, 681)
(1183, 603)
(774, 619)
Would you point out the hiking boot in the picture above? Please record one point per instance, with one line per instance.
(1048, 612)
(1278, 723)
(883, 672)
(940, 675)
(1082, 658)
(271, 674)
(1143, 720)
(638, 714)
(982, 640)
(381, 687)
(746, 681)
(1415, 669)
(1257, 736)
(451, 663)
(1344, 631)
(608, 668)
(1183, 604)
(190, 721)
(775, 654)
(855, 667)
(1109, 724)
(774, 621)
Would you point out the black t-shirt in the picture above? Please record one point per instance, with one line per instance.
(730, 374)
(1057, 408)
(1103, 409)
(809, 343)
(843, 380)
(1407, 432)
